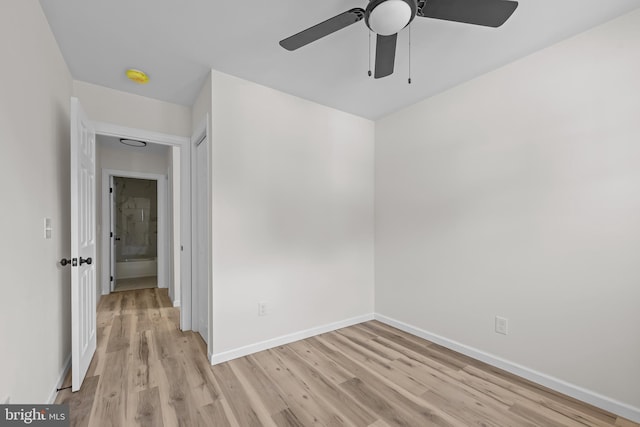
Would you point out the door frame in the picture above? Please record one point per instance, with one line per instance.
(162, 242)
(184, 143)
(201, 134)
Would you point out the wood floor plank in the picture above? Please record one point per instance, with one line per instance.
(120, 335)
(149, 410)
(330, 369)
(380, 383)
(379, 423)
(363, 341)
(298, 395)
(376, 362)
(469, 409)
(179, 398)
(386, 405)
(259, 381)
(140, 356)
(198, 369)
(214, 414)
(622, 422)
(112, 393)
(332, 394)
(236, 397)
(286, 418)
(379, 329)
(81, 404)
(584, 416)
(256, 401)
(147, 372)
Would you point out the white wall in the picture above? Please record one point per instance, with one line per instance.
(174, 219)
(292, 214)
(518, 194)
(110, 154)
(35, 314)
(113, 155)
(202, 105)
(134, 111)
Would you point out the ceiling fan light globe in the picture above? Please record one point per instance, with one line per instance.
(389, 17)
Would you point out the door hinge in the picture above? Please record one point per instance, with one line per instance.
(110, 190)
(111, 278)
(111, 234)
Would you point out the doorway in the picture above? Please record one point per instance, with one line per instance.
(84, 133)
(136, 230)
(166, 160)
(134, 227)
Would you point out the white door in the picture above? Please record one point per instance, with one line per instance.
(203, 261)
(83, 244)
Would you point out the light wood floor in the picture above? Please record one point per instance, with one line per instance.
(146, 372)
(136, 283)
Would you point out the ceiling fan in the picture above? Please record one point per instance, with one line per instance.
(387, 17)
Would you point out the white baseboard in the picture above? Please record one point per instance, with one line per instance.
(608, 404)
(54, 392)
(286, 339)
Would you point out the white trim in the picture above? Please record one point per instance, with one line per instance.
(174, 213)
(286, 339)
(63, 374)
(109, 129)
(162, 224)
(608, 404)
(201, 134)
(176, 303)
(112, 226)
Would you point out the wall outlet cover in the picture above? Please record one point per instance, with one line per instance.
(501, 325)
(262, 308)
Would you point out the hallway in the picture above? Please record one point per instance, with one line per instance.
(145, 370)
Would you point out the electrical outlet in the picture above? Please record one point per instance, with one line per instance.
(262, 308)
(502, 325)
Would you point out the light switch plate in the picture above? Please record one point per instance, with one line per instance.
(47, 228)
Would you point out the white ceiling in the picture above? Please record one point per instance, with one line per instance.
(177, 41)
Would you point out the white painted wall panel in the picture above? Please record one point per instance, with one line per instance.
(292, 214)
(134, 111)
(35, 313)
(518, 194)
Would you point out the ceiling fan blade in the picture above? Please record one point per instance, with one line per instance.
(385, 55)
(322, 29)
(490, 13)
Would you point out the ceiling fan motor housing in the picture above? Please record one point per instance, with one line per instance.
(387, 17)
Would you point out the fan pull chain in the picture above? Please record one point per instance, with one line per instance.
(409, 80)
(369, 72)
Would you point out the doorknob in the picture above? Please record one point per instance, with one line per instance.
(85, 260)
(116, 238)
(64, 262)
